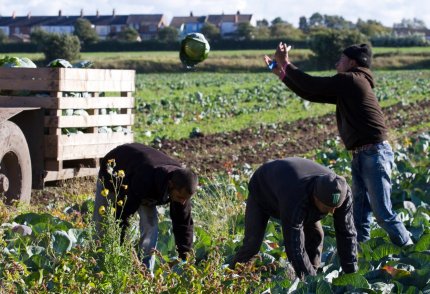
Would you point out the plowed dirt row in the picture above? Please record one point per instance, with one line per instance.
(211, 153)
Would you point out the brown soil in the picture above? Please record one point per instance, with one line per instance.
(210, 153)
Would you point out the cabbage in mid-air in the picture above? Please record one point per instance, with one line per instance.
(194, 49)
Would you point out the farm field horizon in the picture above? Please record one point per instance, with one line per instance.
(239, 61)
(224, 125)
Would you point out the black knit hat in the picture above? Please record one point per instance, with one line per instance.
(331, 189)
(360, 53)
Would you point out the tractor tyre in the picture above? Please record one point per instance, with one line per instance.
(15, 164)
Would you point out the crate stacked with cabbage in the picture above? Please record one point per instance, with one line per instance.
(87, 112)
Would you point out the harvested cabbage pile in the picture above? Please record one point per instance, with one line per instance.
(24, 62)
(12, 61)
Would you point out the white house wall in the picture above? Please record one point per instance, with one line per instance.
(57, 29)
(227, 27)
(5, 30)
(102, 31)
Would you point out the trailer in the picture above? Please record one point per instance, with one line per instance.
(57, 123)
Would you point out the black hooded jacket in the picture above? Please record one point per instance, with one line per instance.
(146, 177)
(359, 117)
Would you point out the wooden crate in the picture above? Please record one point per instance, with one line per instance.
(70, 155)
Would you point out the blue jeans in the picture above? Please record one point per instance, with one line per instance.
(371, 188)
(148, 224)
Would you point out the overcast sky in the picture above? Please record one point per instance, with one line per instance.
(385, 11)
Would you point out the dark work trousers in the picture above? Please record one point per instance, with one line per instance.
(314, 237)
(255, 226)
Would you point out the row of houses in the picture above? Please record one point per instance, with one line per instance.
(227, 23)
(147, 25)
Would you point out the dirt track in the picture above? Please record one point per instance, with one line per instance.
(210, 153)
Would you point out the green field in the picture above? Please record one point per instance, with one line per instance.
(214, 53)
(172, 105)
(235, 60)
(62, 253)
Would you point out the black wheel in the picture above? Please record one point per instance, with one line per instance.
(15, 164)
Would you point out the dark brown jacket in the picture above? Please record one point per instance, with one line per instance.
(146, 175)
(359, 117)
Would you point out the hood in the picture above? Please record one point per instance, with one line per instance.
(367, 74)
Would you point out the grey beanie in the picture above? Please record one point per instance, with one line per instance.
(331, 189)
(362, 54)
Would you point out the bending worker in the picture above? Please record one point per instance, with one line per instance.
(150, 178)
(300, 193)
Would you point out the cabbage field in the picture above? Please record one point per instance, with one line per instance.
(224, 126)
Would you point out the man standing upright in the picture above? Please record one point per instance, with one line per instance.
(362, 128)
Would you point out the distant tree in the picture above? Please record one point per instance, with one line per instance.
(372, 28)
(85, 32)
(3, 37)
(316, 20)
(277, 20)
(211, 31)
(329, 44)
(262, 23)
(262, 32)
(336, 22)
(128, 35)
(168, 34)
(38, 36)
(303, 24)
(60, 46)
(245, 31)
(283, 30)
(411, 24)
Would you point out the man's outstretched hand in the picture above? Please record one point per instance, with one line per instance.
(280, 59)
(281, 54)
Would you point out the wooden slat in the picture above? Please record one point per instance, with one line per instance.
(79, 146)
(29, 85)
(96, 102)
(53, 164)
(29, 101)
(96, 74)
(80, 121)
(70, 173)
(53, 141)
(68, 85)
(67, 79)
(96, 85)
(66, 102)
(83, 151)
(33, 74)
(44, 73)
